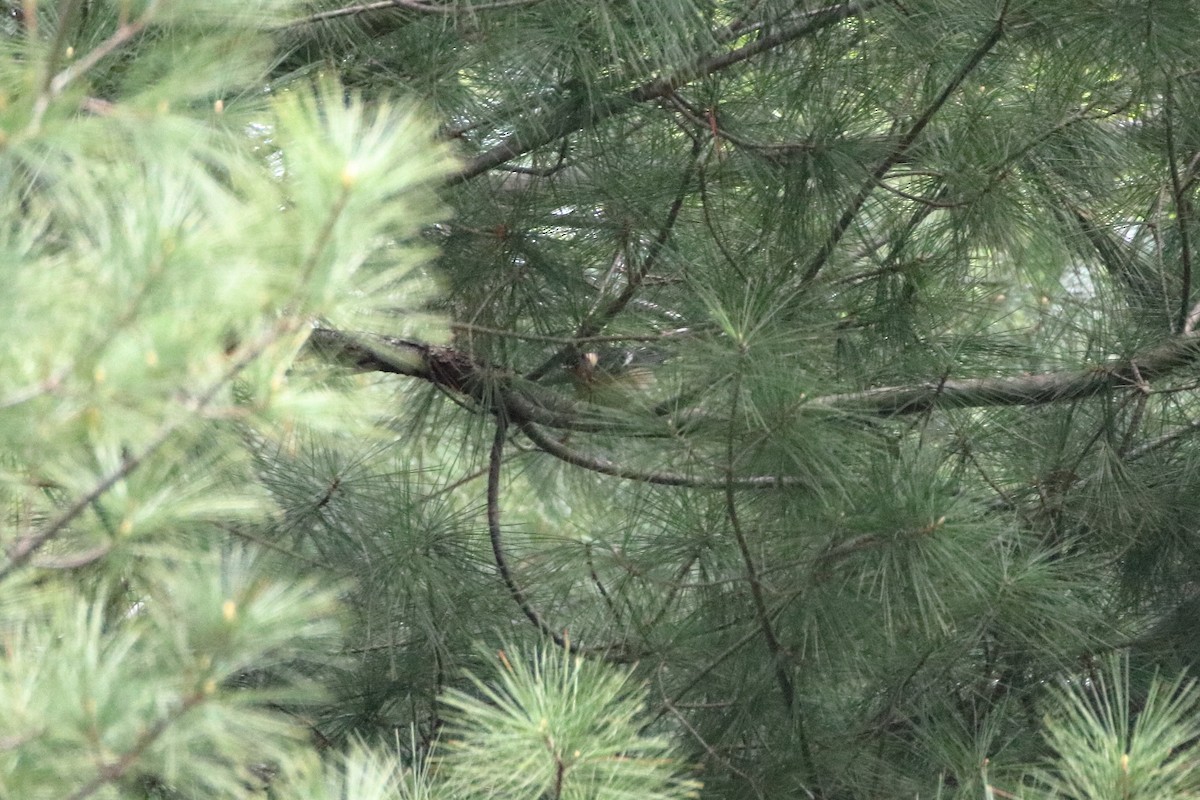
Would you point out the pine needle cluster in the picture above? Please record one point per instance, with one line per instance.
(316, 323)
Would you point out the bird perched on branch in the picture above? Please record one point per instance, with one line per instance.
(612, 377)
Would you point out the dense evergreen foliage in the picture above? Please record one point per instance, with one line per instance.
(614, 399)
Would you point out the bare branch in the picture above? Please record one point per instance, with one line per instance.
(493, 388)
(494, 531)
(1183, 212)
(604, 466)
(1024, 390)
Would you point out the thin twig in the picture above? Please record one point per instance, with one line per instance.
(708, 748)
(672, 590)
(715, 662)
(599, 584)
(56, 85)
(756, 593)
(1192, 426)
(756, 590)
(842, 225)
(932, 202)
(603, 466)
(595, 322)
(400, 5)
(42, 387)
(1139, 409)
(463, 481)
(718, 238)
(493, 521)
(568, 340)
(1183, 215)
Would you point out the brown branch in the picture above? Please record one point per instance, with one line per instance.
(1183, 212)
(504, 395)
(554, 122)
(1025, 390)
(494, 388)
(493, 521)
(604, 466)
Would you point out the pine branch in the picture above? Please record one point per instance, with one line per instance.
(716, 661)
(724, 761)
(851, 212)
(403, 5)
(604, 466)
(456, 371)
(495, 459)
(1026, 390)
(27, 546)
(56, 84)
(574, 341)
(108, 773)
(613, 652)
(596, 321)
(760, 610)
(549, 122)
(1192, 426)
(493, 389)
(599, 584)
(1183, 211)
(778, 656)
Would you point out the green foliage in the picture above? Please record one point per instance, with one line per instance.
(1113, 740)
(304, 311)
(162, 262)
(564, 726)
(94, 695)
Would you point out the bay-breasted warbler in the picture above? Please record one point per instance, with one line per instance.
(614, 376)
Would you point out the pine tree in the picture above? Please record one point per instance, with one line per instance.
(534, 398)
